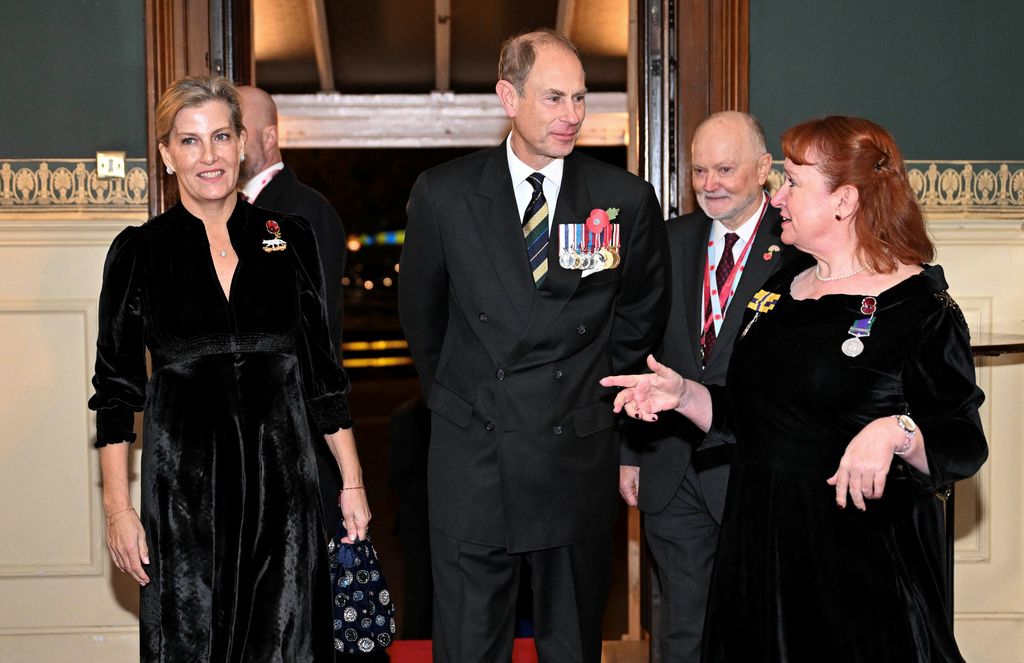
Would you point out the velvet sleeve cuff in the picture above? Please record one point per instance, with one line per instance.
(330, 413)
(721, 421)
(114, 425)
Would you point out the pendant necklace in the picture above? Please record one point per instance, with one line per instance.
(223, 253)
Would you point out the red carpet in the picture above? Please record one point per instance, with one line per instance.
(418, 651)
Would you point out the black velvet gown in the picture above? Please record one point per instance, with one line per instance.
(241, 388)
(796, 578)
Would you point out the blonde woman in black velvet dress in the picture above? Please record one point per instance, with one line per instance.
(852, 397)
(227, 298)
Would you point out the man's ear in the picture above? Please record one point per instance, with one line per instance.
(508, 96)
(764, 166)
(269, 138)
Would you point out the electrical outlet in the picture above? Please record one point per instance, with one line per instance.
(109, 165)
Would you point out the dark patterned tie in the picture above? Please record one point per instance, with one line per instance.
(535, 229)
(725, 264)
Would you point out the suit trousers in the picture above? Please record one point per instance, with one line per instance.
(682, 539)
(475, 588)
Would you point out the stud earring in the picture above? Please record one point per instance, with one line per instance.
(170, 171)
(838, 218)
(241, 157)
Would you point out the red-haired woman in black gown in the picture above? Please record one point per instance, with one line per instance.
(853, 399)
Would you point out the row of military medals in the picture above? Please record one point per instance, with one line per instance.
(580, 247)
(860, 328)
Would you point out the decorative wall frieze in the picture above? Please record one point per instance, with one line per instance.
(945, 189)
(54, 186)
(959, 189)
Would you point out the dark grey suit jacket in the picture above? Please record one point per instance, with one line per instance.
(524, 452)
(285, 193)
(664, 450)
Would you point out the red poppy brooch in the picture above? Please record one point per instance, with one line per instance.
(592, 245)
(276, 243)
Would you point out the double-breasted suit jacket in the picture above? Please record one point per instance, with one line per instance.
(668, 445)
(524, 452)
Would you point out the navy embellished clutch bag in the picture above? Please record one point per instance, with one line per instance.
(364, 615)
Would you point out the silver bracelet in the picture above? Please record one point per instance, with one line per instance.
(908, 427)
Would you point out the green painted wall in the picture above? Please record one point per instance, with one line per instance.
(946, 77)
(72, 78)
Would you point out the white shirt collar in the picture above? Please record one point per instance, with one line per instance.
(520, 171)
(745, 231)
(256, 183)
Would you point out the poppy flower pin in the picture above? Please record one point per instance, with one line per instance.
(600, 219)
(275, 244)
(772, 250)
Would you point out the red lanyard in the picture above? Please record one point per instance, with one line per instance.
(721, 302)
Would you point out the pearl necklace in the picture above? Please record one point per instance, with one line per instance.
(817, 274)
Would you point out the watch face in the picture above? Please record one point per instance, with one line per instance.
(906, 423)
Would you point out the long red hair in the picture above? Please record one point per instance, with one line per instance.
(888, 222)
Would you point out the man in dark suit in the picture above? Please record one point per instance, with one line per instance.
(273, 186)
(684, 471)
(510, 343)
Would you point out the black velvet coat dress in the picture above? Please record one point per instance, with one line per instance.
(241, 388)
(796, 578)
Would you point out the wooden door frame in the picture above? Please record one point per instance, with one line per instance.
(190, 37)
(693, 60)
(692, 56)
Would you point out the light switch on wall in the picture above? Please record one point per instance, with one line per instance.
(109, 165)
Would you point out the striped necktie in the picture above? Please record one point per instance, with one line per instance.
(722, 270)
(535, 229)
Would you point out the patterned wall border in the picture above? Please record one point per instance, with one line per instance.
(946, 189)
(59, 185)
(988, 189)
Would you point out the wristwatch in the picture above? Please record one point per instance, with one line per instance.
(908, 427)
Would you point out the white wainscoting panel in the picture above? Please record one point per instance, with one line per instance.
(984, 264)
(60, 599)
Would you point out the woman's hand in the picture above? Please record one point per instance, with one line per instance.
(865, 465)
(126, 540)
(645, 395)
(355, 508)
(355, 512)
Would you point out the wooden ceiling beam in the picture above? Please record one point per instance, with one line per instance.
(438, 119)
(321, 44)
(442, 45)
(563, 20)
